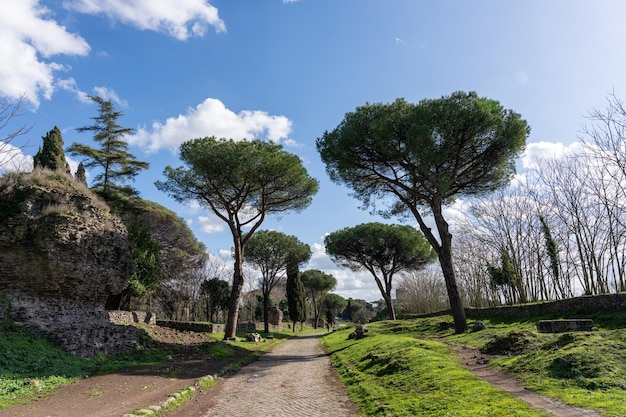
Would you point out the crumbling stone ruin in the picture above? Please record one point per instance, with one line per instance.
(62, 255)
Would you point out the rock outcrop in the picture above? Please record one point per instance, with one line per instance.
(62, 255)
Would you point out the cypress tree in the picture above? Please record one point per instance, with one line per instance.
(81, 176)
(51, 154)
(295, 295)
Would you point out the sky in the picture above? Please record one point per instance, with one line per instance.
(289, 70)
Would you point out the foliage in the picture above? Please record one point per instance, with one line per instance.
(117, 164)
(505, 277)
(563, 226)
(51, 154)
(182, 256)
(81, 175)
(415, 156)
(332, 304)
(241, 183)
(269, 251)
(316, 284)
(552, 248)
(216, 293)
(148, 271)
(296, 297)
(381, 249)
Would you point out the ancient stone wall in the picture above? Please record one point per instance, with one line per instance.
(583, 303)
(62, 255)
(192, 326)
(123, 317)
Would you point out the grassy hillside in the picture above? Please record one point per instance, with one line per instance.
(400, 368)
(31, 367)
(406, 368)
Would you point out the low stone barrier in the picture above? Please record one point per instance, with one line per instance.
(192, 326)
(582, 303)
(121, 317)
(566, 325)
(246, 326)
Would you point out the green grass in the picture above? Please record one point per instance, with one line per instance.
(584, 369)
(393, 374)
(30, 365)
(400, 368)
(581, 369)
(220, 350)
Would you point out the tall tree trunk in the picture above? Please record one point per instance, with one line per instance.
(235, 295)
(444, 252)
(391, 311)
(316, 313)
(266, 311)
(456, 305)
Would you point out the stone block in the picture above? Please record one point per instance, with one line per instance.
(565, 325)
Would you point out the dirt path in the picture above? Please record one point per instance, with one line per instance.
(294, 379)
(121, 392)
(478, 364)
(116, 394)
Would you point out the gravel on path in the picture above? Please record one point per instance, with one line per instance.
(294, 379)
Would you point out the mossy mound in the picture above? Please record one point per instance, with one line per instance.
(514, 342)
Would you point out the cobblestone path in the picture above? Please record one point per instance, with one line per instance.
(294, 379)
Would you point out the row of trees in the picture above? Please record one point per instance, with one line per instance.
(169, 262)
(399, 159)
(402, 159)
(559, 231)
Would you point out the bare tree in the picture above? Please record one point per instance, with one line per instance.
(9, 153)
(421, 291)
(471, 265)
(605, 151)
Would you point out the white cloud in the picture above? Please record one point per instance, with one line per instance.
(27, 39)
(537, 154)
(12, 159)
(212, 118)
(180, 19)
(358, 285)
(70, 85)
(106, 93)
(110, 95)
(211, 224)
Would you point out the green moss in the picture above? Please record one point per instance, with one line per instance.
(11, 202)
(393, 374)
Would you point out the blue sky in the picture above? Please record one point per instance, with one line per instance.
(289, 70)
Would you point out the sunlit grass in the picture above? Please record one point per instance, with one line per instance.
(584, 369)
(399, 375)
